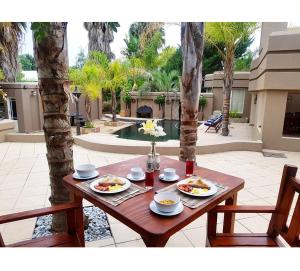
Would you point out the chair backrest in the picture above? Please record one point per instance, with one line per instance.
(289, 188)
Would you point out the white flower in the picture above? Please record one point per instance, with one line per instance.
(151, 128)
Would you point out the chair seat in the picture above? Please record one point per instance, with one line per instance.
(55, 240)
(243, 240)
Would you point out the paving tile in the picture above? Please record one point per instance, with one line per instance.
(122, 233)
(179, 239)
(30, 201)
(199, 222)
(112, 220)
(7, 204)
(10, 193)
(134, 243)
(101, 243)
(255, 224)
(34, 190)
(196, 236)
(18, 231)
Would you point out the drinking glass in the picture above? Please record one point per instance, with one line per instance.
(189, 167)
(149, 179)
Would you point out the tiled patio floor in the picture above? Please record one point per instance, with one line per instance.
(24, 185)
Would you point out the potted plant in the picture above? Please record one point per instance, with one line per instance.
(202, 104)
(89, 127)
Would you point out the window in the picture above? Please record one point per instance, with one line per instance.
(12, 108)
(237, 100)
(2, 108)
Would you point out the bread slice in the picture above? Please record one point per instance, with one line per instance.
(198, 183)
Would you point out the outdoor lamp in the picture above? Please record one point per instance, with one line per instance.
(77, 94)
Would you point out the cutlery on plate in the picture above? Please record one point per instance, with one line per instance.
(134, 191)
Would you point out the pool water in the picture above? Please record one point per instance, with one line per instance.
(171, 128)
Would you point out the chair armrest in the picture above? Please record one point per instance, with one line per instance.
(38, 212)
(243, 209)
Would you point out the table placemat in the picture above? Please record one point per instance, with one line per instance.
(190, 201)
(114, 199)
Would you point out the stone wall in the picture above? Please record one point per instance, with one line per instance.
(170, 109)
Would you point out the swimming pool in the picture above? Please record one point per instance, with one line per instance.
(171, 127)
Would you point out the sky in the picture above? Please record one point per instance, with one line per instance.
(78, 38)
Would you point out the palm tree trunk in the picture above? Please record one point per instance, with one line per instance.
(88, 108)
(228, 81)
(114, 105)
(100, 37)
(192, 48)
(51, 56)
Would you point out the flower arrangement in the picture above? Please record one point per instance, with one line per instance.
(150, 127)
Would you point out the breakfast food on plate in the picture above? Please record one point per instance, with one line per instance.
(185, 188)
(198, 183)
(194, 186)
(109, 184)
(167, 201)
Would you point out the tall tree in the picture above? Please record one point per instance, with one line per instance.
(10, 35)
(115, 77)
(213, 61)
(229, 34)
(27, 62)
(101, 35)
(51, 55)
(192, 50)
(80, 59)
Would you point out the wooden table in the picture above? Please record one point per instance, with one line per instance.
(155, 230)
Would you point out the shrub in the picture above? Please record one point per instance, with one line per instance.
(127, 98)
(234, 114)
(89, 124)
(160, 99)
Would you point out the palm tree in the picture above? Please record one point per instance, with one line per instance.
(115, 78)
(166, 81)
(192, 51)
(229, 35)
(101, 34)
(10, 35)
(51, 55)
(88, 79)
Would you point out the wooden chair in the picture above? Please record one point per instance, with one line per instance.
(74, 237)
(290, 187)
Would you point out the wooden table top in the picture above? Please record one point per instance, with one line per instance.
(135, 212)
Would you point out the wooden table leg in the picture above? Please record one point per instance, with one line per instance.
(155, 242)
(228, 224)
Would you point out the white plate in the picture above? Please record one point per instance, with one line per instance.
(177, 211)
(129, 176)
(78, 177)
(213, 188)
(175, 178)
(124, 187)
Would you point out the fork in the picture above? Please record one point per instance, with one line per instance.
(134, 191)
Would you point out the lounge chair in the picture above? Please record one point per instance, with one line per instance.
(214, 123)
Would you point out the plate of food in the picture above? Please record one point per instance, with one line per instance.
(110, 185)
(197, 186)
